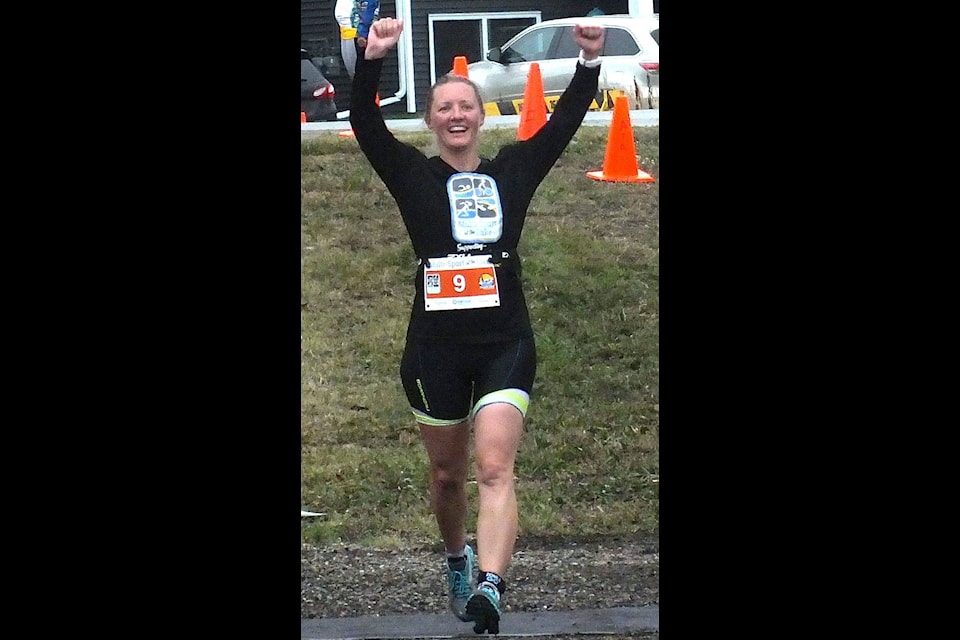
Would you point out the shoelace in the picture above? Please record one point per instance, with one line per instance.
(461, 585)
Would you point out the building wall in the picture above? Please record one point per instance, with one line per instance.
(320, 35)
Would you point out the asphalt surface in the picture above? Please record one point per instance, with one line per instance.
(520, 624)
(638, 118)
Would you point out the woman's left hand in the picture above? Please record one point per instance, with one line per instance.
(590, 40)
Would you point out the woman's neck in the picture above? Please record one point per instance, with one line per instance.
(462, 160)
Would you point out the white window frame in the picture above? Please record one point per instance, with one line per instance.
(484, 28)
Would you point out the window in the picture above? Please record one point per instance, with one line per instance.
(534, 45)
(619, 42)
(502, 29)
(471, 35)
(456, 38)
(567, 48)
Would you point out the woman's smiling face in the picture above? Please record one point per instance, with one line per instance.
(455, 115)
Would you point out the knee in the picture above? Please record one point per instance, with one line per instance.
(494, 471)
(449, 477)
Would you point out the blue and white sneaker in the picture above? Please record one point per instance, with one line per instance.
(483, 608)
(459, 585)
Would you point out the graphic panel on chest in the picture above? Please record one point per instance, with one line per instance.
(476, 214)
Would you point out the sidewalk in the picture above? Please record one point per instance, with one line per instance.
(522, 624)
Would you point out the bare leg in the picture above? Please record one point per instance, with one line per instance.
(449, 455)
(497, 428)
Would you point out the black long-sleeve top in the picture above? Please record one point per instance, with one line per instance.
(420, 187)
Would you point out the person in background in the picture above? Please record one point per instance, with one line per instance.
(469, 358)
(354, 18)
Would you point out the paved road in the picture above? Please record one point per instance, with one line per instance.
(520, 624)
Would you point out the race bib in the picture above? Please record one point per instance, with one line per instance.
(463, 282)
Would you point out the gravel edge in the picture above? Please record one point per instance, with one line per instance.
(344, 580)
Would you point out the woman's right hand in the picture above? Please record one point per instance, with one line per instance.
(383, 36)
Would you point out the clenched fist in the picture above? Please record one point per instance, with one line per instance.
(383, 36)
(590, 40)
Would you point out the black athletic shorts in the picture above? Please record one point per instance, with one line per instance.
(448, 383)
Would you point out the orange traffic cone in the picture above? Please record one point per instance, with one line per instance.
(533, 112)
(620, 160)
(460, 66)
(303, 116)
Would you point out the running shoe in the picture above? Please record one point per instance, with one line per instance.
(483, 608)
(459, 585)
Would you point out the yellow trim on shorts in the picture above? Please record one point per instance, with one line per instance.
(434, 422)
(516, 397)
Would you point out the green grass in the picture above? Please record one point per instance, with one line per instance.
(589, 460)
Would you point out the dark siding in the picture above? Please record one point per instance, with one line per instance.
(567, 8)
(319, 35)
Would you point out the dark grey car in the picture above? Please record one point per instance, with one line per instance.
(317, 94)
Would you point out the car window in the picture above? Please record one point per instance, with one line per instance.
(567, 48)
(655, 34)
(619, 42)
(533, 46)
(308, 72)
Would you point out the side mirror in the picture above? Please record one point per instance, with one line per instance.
(493, 55)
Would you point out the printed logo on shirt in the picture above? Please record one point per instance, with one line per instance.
(476, 214)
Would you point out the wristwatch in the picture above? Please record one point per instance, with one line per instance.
(589, 64)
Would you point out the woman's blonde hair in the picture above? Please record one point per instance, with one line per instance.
(447, 79)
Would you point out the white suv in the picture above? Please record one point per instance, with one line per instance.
(631, 63)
